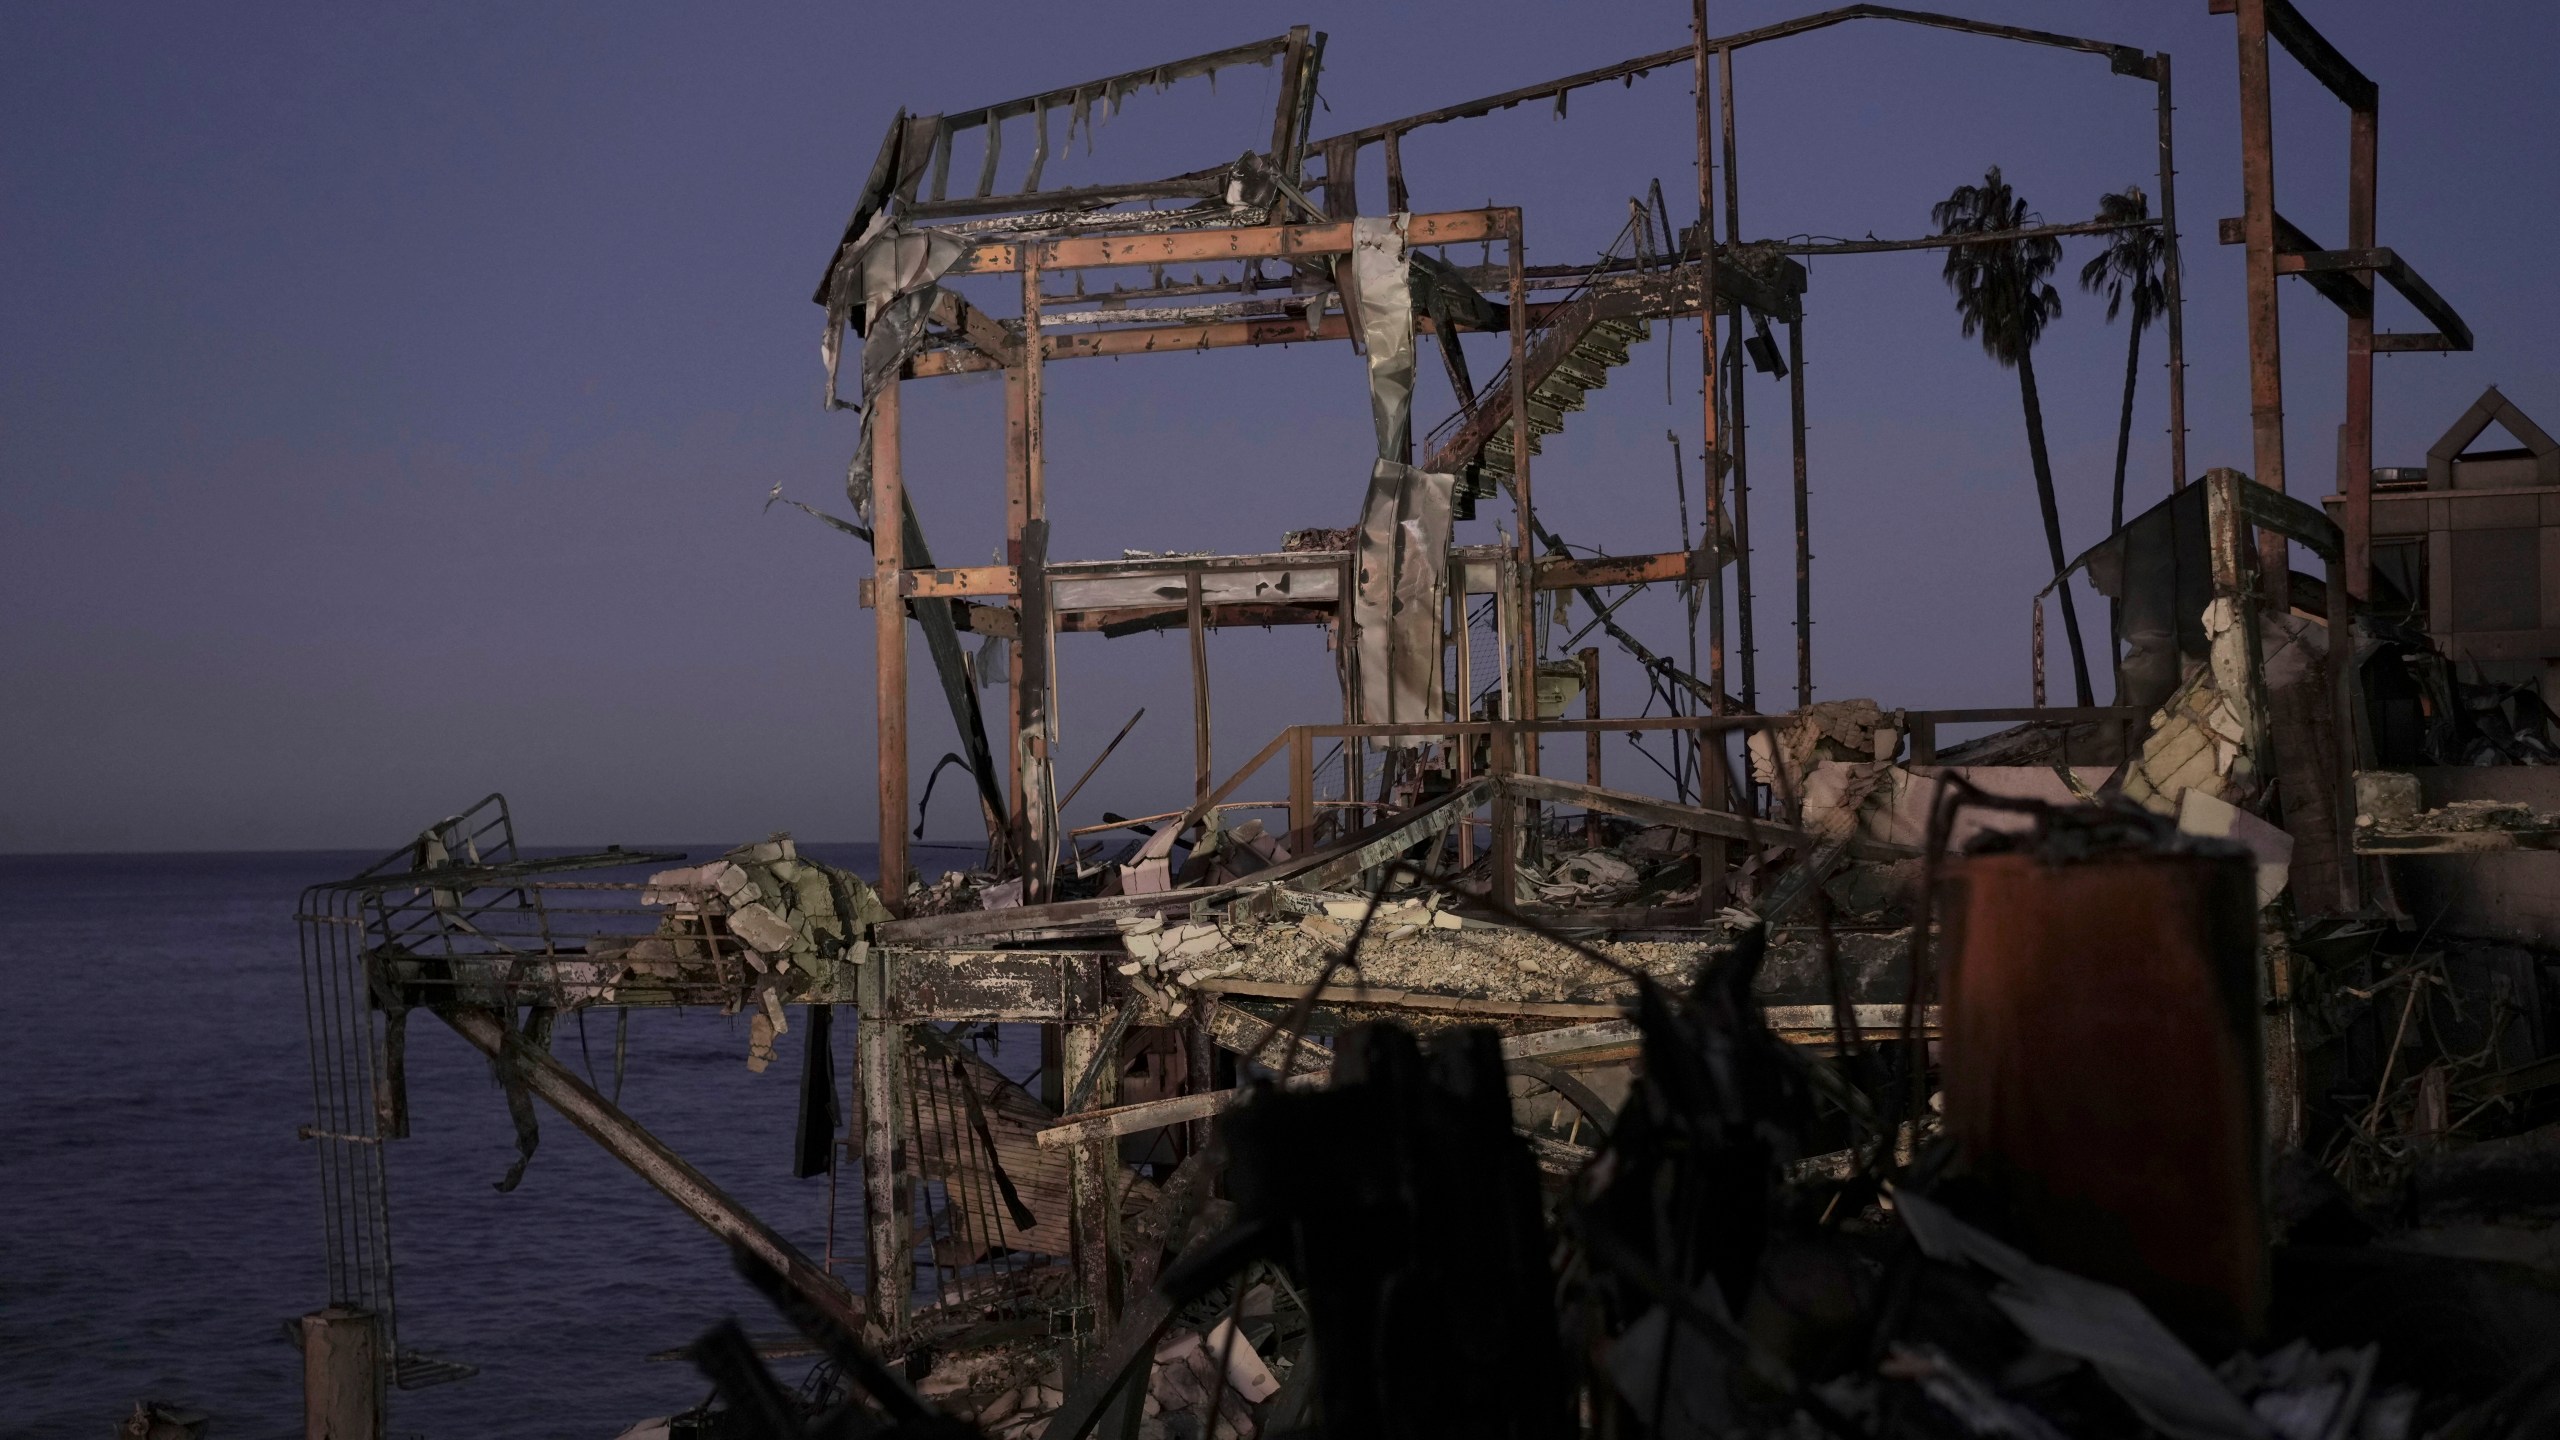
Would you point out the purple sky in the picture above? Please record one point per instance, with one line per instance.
(389, 396)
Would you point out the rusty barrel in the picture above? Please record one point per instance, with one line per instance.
(2101, 1068)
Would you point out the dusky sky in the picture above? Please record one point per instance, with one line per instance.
(390, 395)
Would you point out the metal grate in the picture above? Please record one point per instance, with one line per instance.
(959, 1108)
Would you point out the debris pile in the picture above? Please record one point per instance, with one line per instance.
(795, 918)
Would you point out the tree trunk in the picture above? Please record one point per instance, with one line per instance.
(2052, 522)
(2124, 422)
(2124, 444)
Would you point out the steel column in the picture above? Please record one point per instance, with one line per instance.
(2357, 454)
(2258, 232)
(1711, 442)
(2170, 281)
(1200, 777)
(889, 622)
(1804, 518)
(1739, 430)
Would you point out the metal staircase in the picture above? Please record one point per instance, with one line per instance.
(1570, 354)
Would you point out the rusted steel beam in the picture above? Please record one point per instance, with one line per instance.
(1578, 572)
(1197, 623)
(1028, 550)
(1258, 242)
(1628, 70)
(2171, 276)
(889, 633)
(627, 1141)
(953, 582)
(1949, 242)
(1137, 620)
(1589, 658)
(2313, 51)
(1017, 513)
(1804, 516)
(1205, 186)
(1710, 435)
(2356, 453)
(1653, 296)
(1739, 430)
(981, 330)
(2258, 234)
(1695, 821)
(1523, 441)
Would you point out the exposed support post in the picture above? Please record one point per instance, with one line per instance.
(2170, 280)
(1590, 658)
(1737, 369)
(343, 1366)
(1804, 516)
(1463, 699)
(2357, 457)
(1398, 202)
(1302, 790)
(889, 621)
(1523, 436)
(625, 1140)
(1739, 430)
(1094, 1228)
(1031, 687)
(1017, 511)
(880, 1068)
(1201, 779)
(2258, 232)
(1711, 444)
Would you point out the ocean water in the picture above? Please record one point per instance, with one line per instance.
(160, 1222)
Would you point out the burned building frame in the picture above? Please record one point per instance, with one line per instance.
(1018, 1198)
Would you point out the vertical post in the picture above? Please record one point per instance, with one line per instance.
(1354, 749)
(1094, 1219)
(1506, 823)
(1739, 432)
(1017, 512)
(2351, 578)
(889, 618)
(2258, 230)
(1714, 793)
(1523, 435)
(888, 1241)
(1031, 646)
(1398, 202)
(342, 1374)
(2170, 280)
(1712, 443)
(1195, 618)
(1464, 709)
(1590, 658)
(2357, 483)
(1302, 789)
(1804, 515)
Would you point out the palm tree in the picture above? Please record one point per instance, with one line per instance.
(2002, 297)
(2128, 270)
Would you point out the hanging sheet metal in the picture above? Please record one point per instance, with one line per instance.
(1402, 547)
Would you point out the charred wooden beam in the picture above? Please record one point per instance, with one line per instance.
(626, 1140)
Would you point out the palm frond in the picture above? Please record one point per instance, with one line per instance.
(2128, 270)
(2000, 289)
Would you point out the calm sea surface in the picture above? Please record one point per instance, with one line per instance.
(160, 1224)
